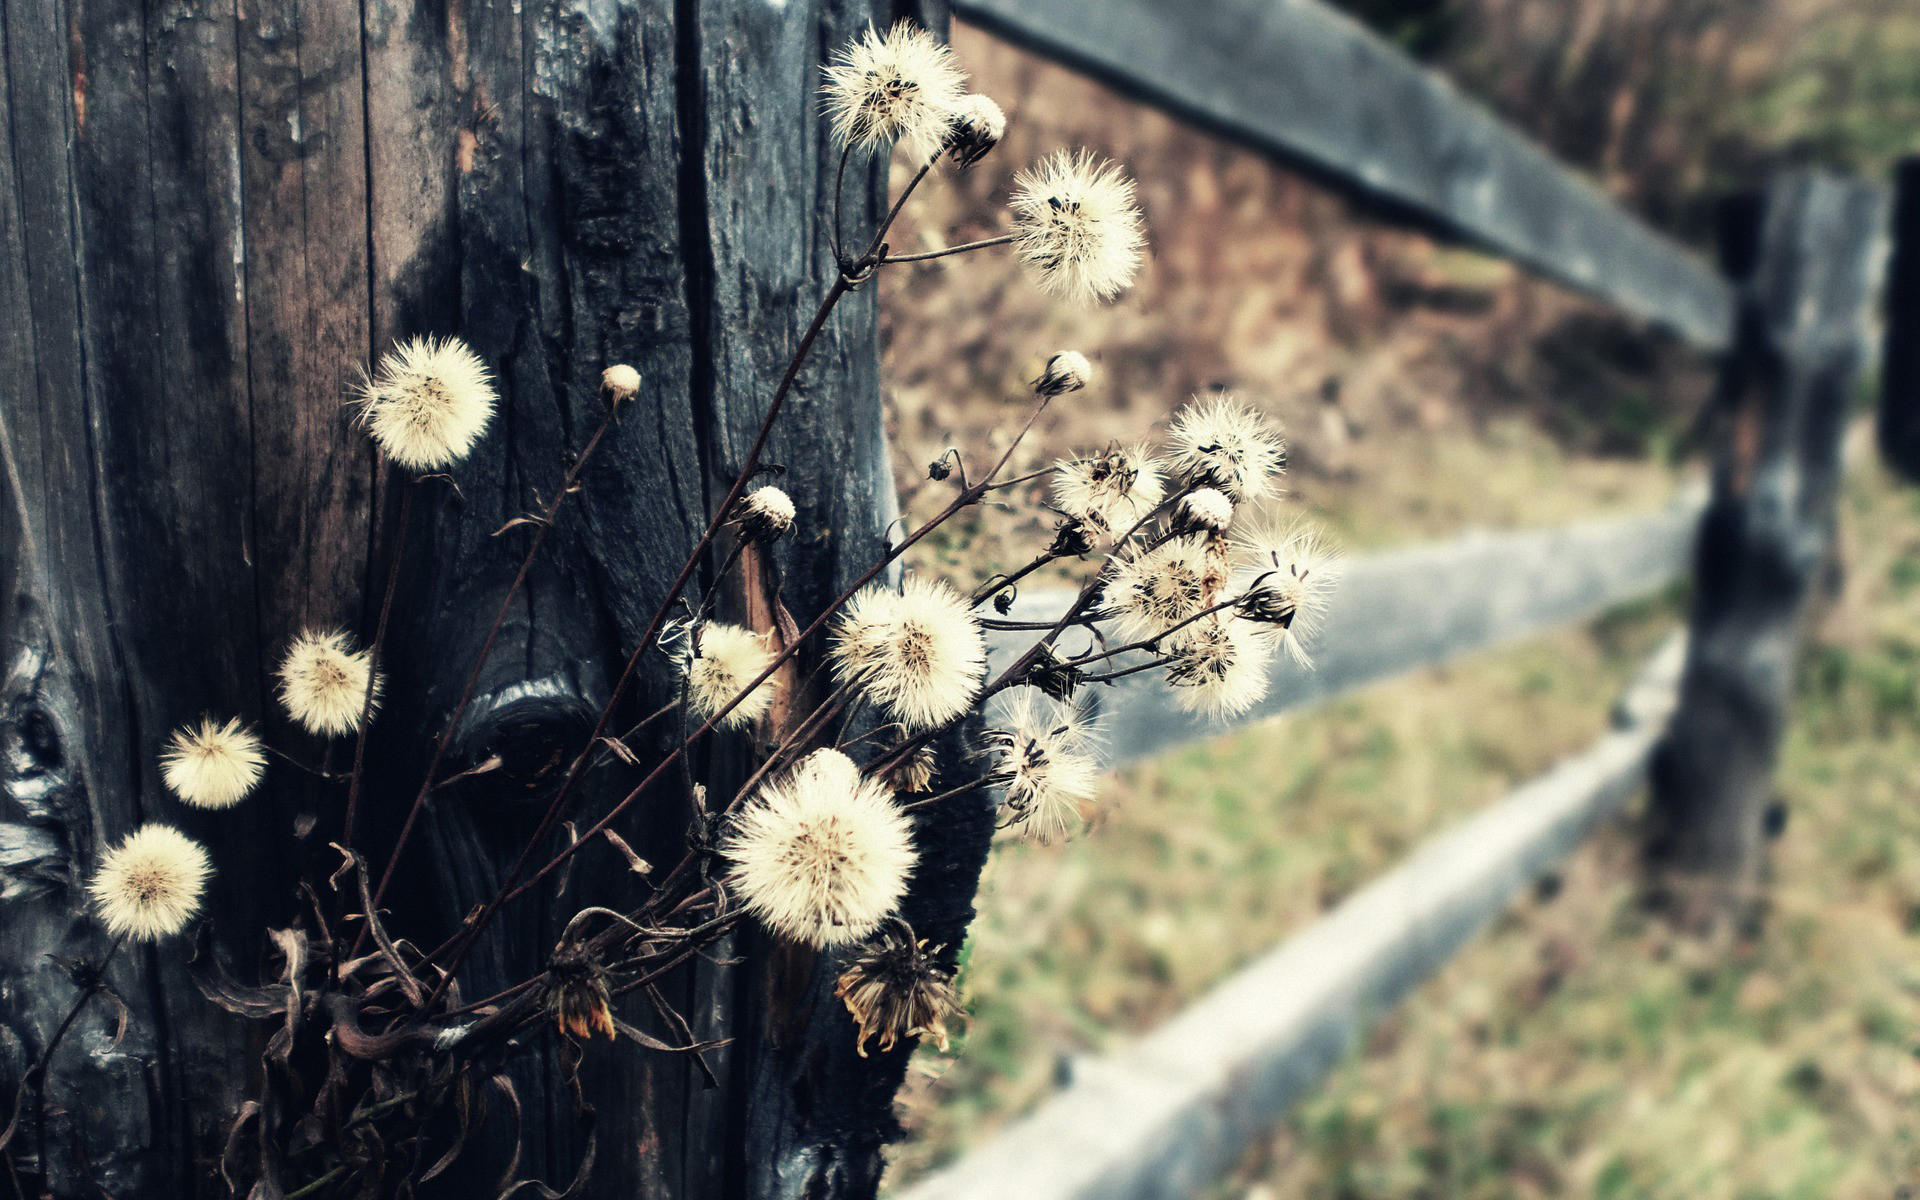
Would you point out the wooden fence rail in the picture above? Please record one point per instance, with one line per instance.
(1297, 79)
(1401, 610)
(1164, 1118)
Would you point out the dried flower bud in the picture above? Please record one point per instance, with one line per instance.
(765, 514)
(898, 987)
(1067, 371)
(1203, 510)
(914, 773)
(1053, 675)
(1071, 538)
(978, 125)
(939, 469)
(578, 998)
(619, 383)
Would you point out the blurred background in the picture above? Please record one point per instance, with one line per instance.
(1583, 1047)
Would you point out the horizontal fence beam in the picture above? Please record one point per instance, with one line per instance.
(1167, 1117)
(1297, 79)
(1401, 610)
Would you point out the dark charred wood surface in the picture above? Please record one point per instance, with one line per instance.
(1900, 355)
(1301, 81)
(211, 216)
(1808, 258)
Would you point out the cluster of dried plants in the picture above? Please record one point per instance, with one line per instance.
(819, 843)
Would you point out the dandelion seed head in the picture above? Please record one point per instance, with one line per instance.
(822, 853)
(1155, 590)
(620, 383)
(898, 86)
(1289, 600)
(1219, 667)
(1067, 371)
(1112, 492)
(1045, 764)
(898, 987)
(917, 653)
(323, 682)
(428, 402)
(213, 765)
(978, 125)
(1222, 442)
(725, 659)
(765, 514)
(1204, 509)
(1076, 226)
(149, 886)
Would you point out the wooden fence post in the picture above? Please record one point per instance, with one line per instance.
(1899, 424)
(209, 219)
(1807, 261)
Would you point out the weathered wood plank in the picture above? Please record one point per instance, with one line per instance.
(1163, 1119)
(1297, 79)
(1812, 267)
(1402, 610)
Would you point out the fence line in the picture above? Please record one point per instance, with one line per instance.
(1401, 610)
(1297, 79)
(1164, 1118)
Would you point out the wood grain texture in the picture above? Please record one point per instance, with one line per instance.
(1165, 1118)
(1810, 267)
(1402, 610)
(211, 216)
(1299, 80)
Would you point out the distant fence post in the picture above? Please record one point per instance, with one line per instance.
(1806, 261)
(1900, 360)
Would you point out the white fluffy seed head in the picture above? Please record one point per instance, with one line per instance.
(428, 402)
(149, 886)
(1206, 509)
(1112, 492)
(1044, 762)
(1221, 442)
(323, 682)
(1067, 371)
(978, 125)
(1153, 591)
(619, 383)
(1076, 226)
(213, 765)
(917, 653)
(1287, 601)
(821, 854)
(725, 659)
(1219, 667)
(766, 513)
(899, 86)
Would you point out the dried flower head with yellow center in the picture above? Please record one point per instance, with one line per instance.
(1219, 667)
(1112, 492)
(1287, 600)
(1154, 591)
(149, 886)
(428, 402)
(213, 765)
(1222, 442)
(726, 658)
(1076, 226)
(821, 854)
(1043, 759)
(917, 653)
(898, 86)
(323, 682)
(898, 987)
